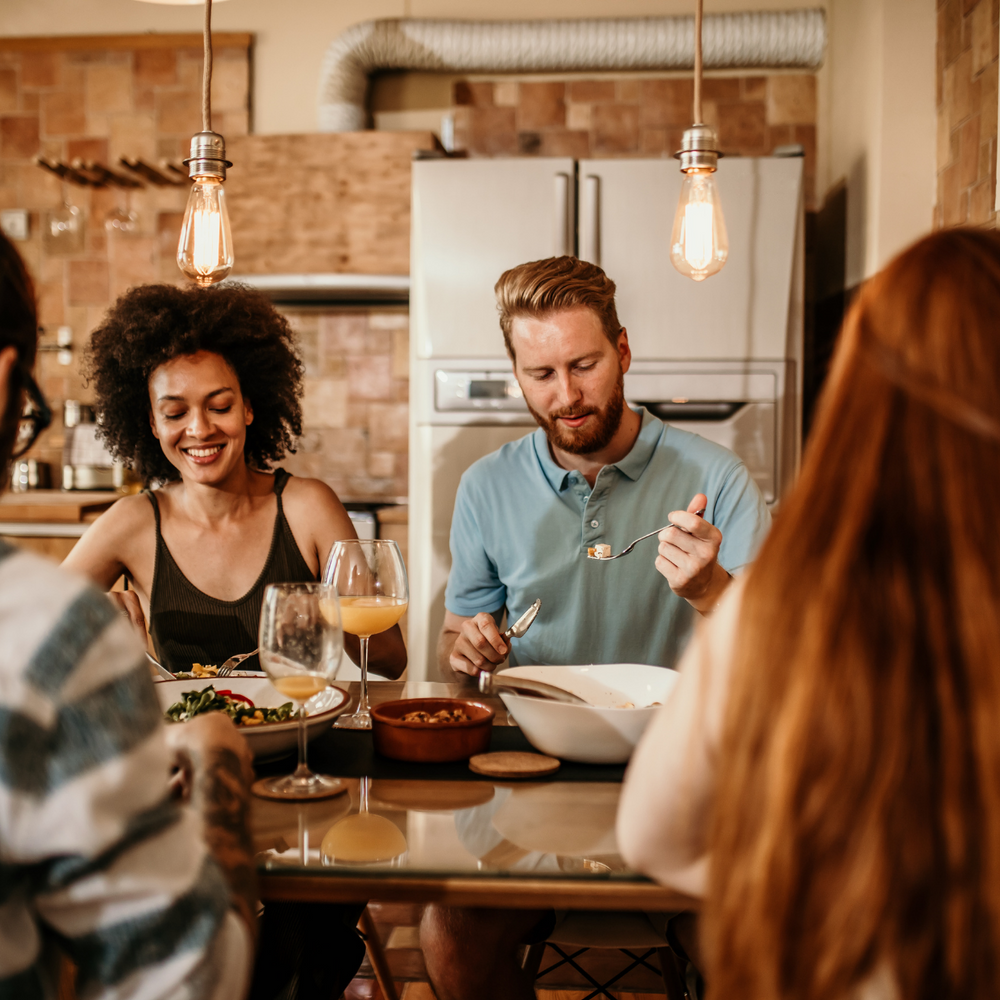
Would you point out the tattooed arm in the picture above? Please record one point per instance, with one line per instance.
(215, 772)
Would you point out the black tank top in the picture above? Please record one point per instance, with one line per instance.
(187, 626)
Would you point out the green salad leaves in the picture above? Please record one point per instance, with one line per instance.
(238, 707)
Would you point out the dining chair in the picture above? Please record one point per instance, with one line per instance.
(633, 934)
(376, 955)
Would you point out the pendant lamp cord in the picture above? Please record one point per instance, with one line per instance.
(698, 120)
(206, 76)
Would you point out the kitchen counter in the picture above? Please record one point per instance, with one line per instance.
(50, 521)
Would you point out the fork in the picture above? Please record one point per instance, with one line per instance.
(233, 662)
(628, 548)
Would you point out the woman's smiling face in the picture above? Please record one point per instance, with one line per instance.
(199, 416)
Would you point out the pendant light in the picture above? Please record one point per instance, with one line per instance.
(699, 244)
(205, 250)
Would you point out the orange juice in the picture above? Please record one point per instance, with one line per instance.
(368, 615)
(300, 687)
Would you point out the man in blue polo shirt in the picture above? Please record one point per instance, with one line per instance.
(596, 472)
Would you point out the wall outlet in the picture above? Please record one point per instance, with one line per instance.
(14, 223)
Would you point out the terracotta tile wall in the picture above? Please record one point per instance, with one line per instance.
(967, 112)
(355, 406)
(611, 116)
(102, 99)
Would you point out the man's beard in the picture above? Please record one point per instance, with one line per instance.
(582, 441)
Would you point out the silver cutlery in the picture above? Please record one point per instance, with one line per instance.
(234, 661)
(492, 683)
(160, 668)
(592, 552)
(523, 623)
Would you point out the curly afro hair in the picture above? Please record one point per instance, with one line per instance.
(152, 324)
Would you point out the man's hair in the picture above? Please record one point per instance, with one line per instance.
(544, 286)
(18, 329)
(18, 323)
(153, 324)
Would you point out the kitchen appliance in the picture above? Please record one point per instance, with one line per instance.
(722, 358)
(87, 463)
(29, 474)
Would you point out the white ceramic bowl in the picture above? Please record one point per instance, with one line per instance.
(602, 732)
(272, 739)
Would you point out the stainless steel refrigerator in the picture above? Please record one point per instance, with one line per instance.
(722, 357)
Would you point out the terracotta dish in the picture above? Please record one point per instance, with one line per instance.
(429, 742)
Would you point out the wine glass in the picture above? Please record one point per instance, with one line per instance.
(301, 643)
(370, 579)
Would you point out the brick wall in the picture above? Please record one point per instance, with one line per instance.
(105, 98)
(102, 98)
(967, 112)
(355, 407)
(626, 116)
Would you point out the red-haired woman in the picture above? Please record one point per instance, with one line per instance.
(827, 774)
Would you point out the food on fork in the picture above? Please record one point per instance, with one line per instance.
(599, 551)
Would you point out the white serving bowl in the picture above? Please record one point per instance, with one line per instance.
(602, 732)
(271, 739)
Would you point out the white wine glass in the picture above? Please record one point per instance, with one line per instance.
(370, 579)
(301, 644)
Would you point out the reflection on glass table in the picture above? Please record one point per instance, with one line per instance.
(363, 838)
(447, 828)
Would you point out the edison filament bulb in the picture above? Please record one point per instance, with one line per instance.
(699, 244)
(205, 249)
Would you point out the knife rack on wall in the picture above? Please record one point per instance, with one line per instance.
(130, 173)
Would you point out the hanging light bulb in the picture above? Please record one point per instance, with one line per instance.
(205, 250)
(699, 244)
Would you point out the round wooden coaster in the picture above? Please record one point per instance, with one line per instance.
(258, 788)
(513, 764)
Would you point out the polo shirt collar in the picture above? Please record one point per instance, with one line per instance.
(632, 465)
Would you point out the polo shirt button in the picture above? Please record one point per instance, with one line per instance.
(595, 524)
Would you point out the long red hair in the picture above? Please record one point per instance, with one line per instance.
(857, 824)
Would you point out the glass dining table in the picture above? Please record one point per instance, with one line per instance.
(407, 832)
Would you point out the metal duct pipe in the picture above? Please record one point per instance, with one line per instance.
(769, 39)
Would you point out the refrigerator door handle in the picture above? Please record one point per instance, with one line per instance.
(563, 243)
(590, 220)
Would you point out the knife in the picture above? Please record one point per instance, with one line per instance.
(491, 683)
(523, 623)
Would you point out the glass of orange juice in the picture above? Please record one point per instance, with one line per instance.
(370, 579)
(301, 644)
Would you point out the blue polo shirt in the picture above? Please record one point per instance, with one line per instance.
(522, 526)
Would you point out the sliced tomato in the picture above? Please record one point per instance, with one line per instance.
(237, 697)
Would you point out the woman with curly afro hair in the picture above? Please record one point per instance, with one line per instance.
(198, 391)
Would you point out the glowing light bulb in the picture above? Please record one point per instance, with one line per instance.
(205, 250)
(699, 244)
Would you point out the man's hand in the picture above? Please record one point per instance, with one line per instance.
(469, 645)
(214, 772)
(688, 559)
(194, 745)
(127, 603)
